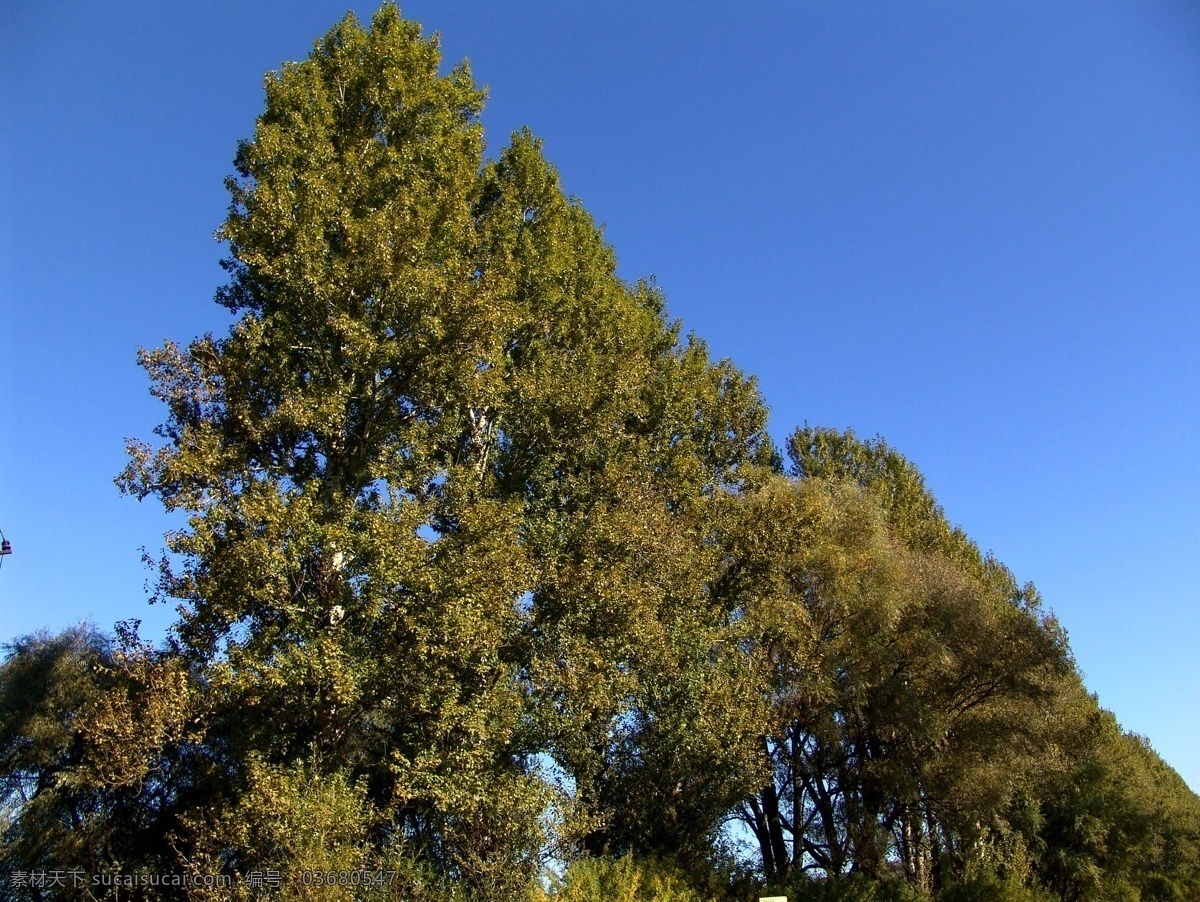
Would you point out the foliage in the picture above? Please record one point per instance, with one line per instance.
(485, 566)
(850, 888)
(291, 820)
(84, 721)
(450, 482)
(1117, 821)
(906, 690)
(989, 888)
(622, 880)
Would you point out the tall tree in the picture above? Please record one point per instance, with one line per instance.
(1114, 820)
(446, 478)
(620, 442)
(905, 670)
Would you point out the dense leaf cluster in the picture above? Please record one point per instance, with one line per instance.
(488, 573)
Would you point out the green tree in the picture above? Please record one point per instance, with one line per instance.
(446, 479)
(905, 670)
(94, 748)
(620, 443)
(1116, 821)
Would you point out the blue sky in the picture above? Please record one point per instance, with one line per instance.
(970, 228)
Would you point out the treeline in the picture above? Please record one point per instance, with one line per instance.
(494, 584)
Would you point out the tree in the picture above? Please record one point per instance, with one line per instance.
(905, 671)
(94, 737)
(447, 476)
(1115, 820)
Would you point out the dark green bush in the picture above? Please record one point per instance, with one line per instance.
(989, 888)
(623, 880)
(851, 888)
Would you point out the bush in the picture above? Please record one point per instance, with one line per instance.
(622, 880)
(989, 888)
(850, 888)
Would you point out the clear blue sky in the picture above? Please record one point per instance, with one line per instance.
(970, 228)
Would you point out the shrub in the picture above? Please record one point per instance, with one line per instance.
(623, 880)
(989, 888)
(851, 888)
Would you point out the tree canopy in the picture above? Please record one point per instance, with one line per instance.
(489, 571)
